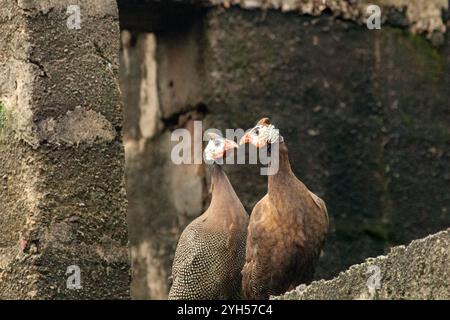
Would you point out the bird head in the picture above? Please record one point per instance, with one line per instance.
(262, 134)
(217, 147)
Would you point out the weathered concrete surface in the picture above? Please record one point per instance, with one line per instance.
(364, 114)
(62, 178)
(419, 271)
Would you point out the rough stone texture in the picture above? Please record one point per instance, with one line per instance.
(364, 114)
(62, 188)
(419, 271)
(76, 127)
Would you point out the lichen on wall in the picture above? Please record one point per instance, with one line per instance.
(2, 116)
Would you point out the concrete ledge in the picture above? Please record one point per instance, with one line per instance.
(419, 271)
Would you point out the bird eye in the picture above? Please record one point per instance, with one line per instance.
(257, 131)
(216, 143)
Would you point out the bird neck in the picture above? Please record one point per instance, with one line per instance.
(225, 206)
(282, 178)
(221, 188)
(218, 177)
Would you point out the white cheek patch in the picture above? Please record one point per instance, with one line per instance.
(270, 134)
(209, 151)
(212, 148)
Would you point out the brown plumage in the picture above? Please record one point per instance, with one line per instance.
(286, 232)
(211, 250)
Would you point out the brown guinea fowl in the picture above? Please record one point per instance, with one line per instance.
(287, 227)
(211, 250)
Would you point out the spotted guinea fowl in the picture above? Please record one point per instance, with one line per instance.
(287, 227)
(211, 250)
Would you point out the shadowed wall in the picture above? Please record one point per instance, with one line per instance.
(364, 114)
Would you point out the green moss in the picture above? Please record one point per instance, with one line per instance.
(378, 231)
(381, 231)
(418, 50)
(2, 116)
(433, 59)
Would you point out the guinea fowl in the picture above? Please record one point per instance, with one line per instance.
(287, 227)
(211, 250)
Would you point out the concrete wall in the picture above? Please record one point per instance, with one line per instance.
(419, 271)
(364, 114)
(62, 192)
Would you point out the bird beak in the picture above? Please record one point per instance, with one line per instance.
(230, 144)
(245, 139)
